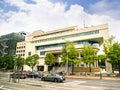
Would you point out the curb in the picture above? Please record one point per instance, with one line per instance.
(92, 77)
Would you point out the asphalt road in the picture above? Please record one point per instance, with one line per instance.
(69, 84)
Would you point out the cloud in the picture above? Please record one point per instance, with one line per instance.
(107, 7)
(46, 15)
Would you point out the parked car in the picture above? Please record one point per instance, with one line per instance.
(19, 74)
(53, 77)
(34, 75)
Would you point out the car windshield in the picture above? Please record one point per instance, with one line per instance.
(53, 75)
(34, 73)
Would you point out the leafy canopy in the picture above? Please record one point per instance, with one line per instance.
(69, 53)
(50, 59)
(88, 54)
(32, 60)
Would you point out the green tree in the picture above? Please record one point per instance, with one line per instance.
(114, 55)
(1, 62)
(20, 62)
(102, 59)
(9, 61)
(106, 48)
(50, 59)
(6, 62)
(32, 60)
(107, 44)
(88, 55)
(70, 54)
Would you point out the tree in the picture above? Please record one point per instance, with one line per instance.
(107, 44)
(6, 62)
(32, 60)
(88, 55)
(50, 59)
(70, 54)
(114, 55)
(1, 62)
(20, 62)
(9, 61)
(102, 59)
(106, 48)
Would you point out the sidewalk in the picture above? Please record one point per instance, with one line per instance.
(92, 77)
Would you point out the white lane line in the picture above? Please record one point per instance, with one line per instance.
(74, 82)
(15, 88)
(2, 87)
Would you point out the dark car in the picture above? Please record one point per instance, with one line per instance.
(34, 75)
(53, 77)
(19, 74)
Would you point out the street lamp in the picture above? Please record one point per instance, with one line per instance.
(100, 70)
(14, 70)
(67, 67)
(67, 60)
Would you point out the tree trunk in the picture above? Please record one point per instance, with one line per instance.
(72, 67)
(90, 67)
(32, 68)
(119, 67)
(113, 68)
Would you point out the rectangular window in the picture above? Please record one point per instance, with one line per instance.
(29, 53)
(42, 53)
(40, 68)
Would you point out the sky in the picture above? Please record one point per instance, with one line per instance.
(31, 15)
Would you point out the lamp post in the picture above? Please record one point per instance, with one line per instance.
(67, 67)
(100, 70)
(14, 70)
(67, 60)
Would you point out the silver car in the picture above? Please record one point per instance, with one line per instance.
(53, 77)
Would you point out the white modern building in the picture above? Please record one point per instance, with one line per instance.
(40, 42)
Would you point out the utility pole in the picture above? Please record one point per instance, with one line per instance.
(67, 67)
(100, 70)
(14, 70)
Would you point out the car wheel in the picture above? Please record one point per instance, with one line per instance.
(55, 80)
(43, 79)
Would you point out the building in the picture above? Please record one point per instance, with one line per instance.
(8, 43)
(40, 42)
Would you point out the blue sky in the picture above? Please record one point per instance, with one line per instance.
(85, 3)
(31, 15)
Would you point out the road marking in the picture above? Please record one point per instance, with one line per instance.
(2, 87)
(74, 82)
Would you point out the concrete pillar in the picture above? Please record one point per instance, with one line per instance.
(45, 67)
(108, 67)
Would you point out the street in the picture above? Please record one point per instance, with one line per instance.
(69, 84)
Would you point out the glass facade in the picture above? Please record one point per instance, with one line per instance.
(8, 42)
(93, 43)
(42, 53)
(68, 36)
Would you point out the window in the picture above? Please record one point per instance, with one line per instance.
(29, 53)
(42, 53)
(40, 68)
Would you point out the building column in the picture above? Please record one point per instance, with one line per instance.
(45, 67)
(108, 66)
